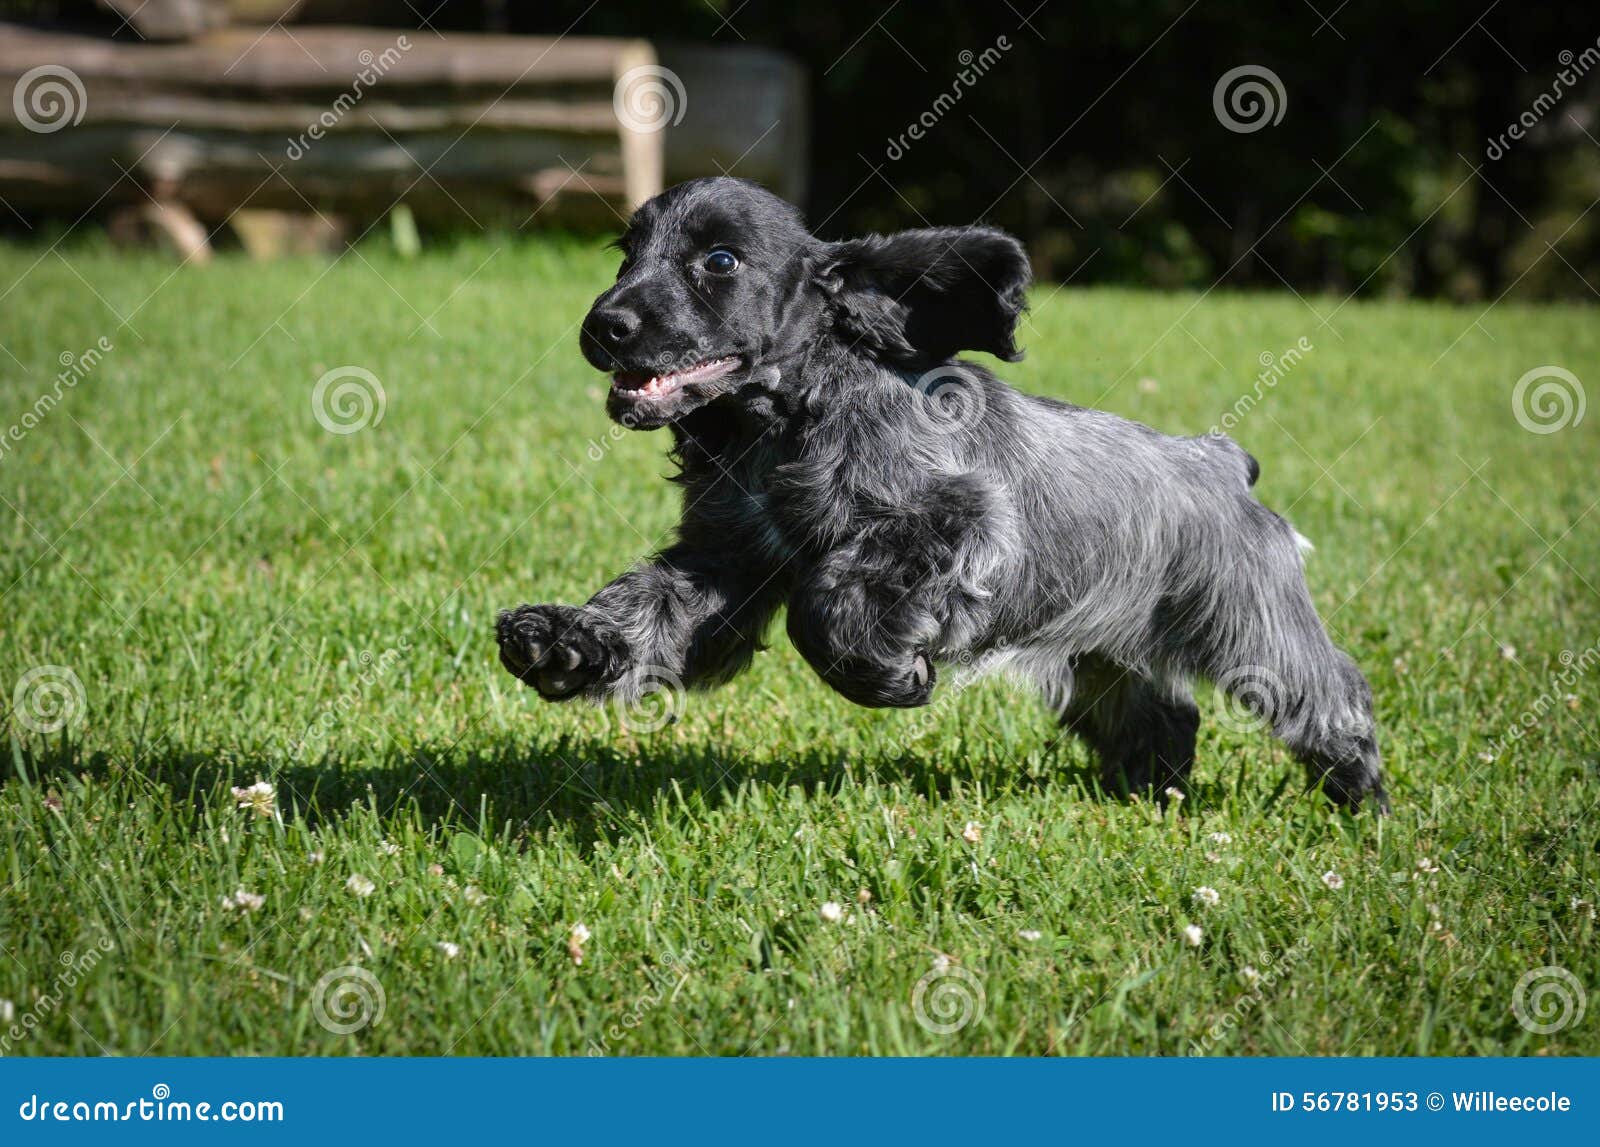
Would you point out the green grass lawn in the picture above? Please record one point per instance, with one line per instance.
(243, 595)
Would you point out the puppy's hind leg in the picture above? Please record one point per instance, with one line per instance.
(1284, 670)
(1142, 730)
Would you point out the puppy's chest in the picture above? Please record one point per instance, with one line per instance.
(736, 502)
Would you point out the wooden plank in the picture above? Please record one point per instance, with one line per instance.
(291, 119)
(635, 77)
(328, 59)
(352, 120)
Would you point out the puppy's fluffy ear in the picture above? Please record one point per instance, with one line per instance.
(919, 297)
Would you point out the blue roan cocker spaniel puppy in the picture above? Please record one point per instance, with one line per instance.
(910, 509)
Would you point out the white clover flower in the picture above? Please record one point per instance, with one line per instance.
(257, 798)
(1207, 896)
(472, 894)
(1193, 934)
(359, 885)
(242, 901)
(316, 856)
(1333, 880)
(1220, 838)
(451, 951)
(1426, 866)
(1175, 794)
(388, 848)
(1249, 975)
(576, 939)
(8, 1011)
(832, 911)
(973, 833)
(1509, 652)
(1030, 934)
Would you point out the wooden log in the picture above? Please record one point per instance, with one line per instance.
(165, 224)
(270, 234)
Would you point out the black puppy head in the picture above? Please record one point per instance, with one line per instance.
(721, 286)
(712, 289)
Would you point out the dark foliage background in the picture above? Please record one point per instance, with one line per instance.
(1094, 135)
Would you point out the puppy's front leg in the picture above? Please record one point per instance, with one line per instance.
(869, 612)
(686, 618)
(866, 629)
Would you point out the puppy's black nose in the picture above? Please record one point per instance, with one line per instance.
(614, 326)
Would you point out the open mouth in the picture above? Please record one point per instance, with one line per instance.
(637, 385)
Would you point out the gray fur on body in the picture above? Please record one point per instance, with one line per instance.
(911, 509)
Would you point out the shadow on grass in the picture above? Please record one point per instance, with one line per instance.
(511, 788)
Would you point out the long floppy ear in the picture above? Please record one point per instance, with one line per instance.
(918, 297)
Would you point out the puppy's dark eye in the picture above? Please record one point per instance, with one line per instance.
(721, 261)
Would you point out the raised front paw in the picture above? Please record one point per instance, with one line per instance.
(558, 649)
